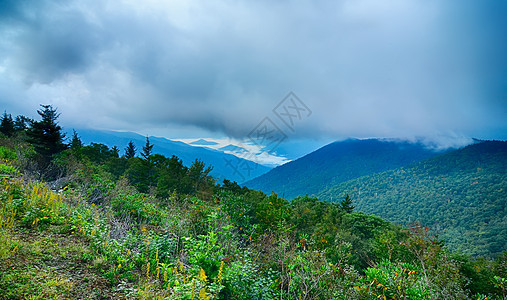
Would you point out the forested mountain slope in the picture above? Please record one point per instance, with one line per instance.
(225, 166)
(338, 162)
(461, 195)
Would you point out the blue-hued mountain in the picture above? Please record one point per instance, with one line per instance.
(461, 195)
(203, 142)
(338, 162)
(225, 166)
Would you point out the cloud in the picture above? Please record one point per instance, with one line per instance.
(365, 68)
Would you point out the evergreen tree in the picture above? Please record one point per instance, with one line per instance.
(76, 141)
(198, 177)
(116, 150)
(46, 135)
(130, 150)
(21, 123)
(171, 174)
(7, 125)
(346, 204)
(144, 169)
(147, 150)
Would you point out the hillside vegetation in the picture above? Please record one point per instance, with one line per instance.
(461, 195)
(336, 163)
(225, 166)
(81, 222)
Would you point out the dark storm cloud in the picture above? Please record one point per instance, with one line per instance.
(365, 68)
(43, 46)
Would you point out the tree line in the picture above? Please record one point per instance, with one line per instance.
(54, 157)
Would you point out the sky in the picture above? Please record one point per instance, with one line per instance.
(432, 70)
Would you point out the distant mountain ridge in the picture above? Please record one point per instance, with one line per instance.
(461, 195)
(338, 162)
(225, 166)
(203, 142)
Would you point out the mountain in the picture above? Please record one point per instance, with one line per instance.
(460, 195)
(203, 142)
(294, 148)
(338, 162)
(225, 166)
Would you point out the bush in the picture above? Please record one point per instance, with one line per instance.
(7, 154)
(395, 281)
(8, 170)
(136, 207)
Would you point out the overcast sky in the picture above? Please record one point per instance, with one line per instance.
(364, 68)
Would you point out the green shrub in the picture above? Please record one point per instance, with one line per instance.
(395, 281)
(244, 280)
(8, 170)
(7, 154)
(136, 208)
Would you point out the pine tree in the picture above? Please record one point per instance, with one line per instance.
(147, 150)
(76, 143)
(116, 150)
(46, 135)
(21, 123)
(198, 176)
(346, 204)
(7, 125)
(130, 150)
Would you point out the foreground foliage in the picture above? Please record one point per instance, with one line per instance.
(151, 228)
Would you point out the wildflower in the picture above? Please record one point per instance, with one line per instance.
(219, 277)
(202, 275)
(202, 294)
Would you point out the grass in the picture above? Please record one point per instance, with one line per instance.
(52, 265)
(41, 256)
